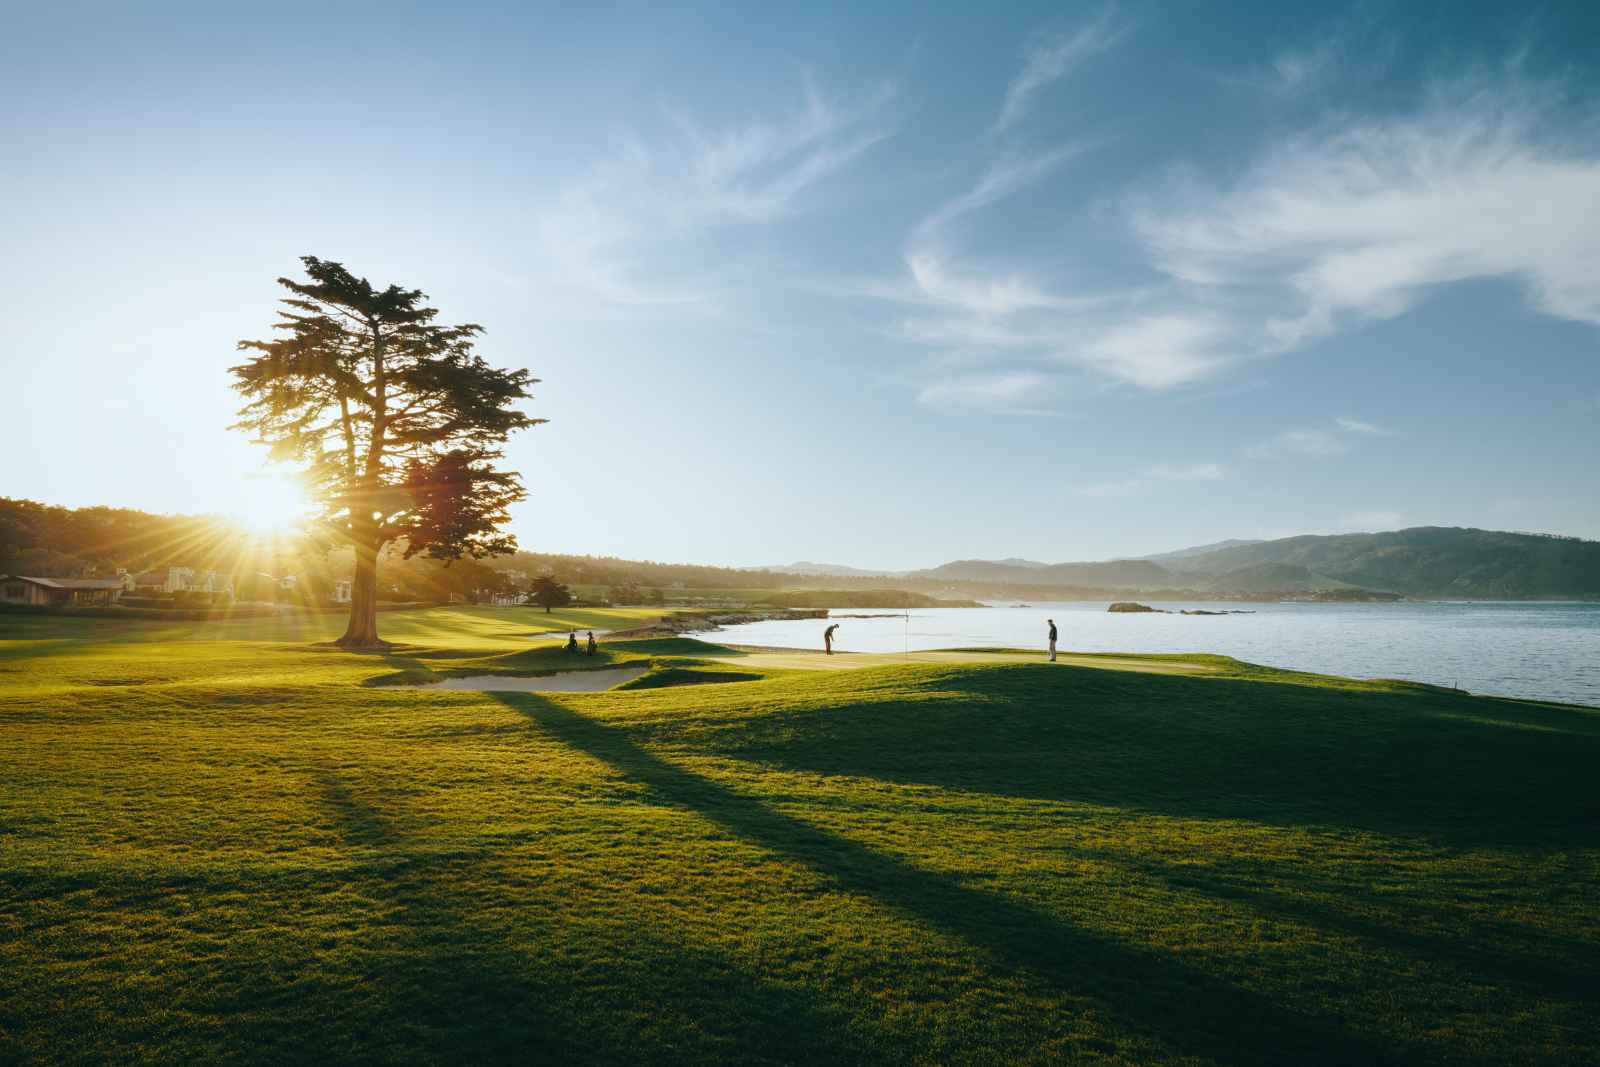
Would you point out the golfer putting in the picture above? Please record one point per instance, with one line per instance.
(827, 639)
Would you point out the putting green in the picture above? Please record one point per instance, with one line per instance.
(802, 659)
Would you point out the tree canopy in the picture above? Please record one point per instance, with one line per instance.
(548, 592)
(396, 422)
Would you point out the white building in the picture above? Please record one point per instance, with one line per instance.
(341, 591)
(177, 580)
(212, 582)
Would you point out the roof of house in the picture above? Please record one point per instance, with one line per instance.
(68, 583)
(150, 578)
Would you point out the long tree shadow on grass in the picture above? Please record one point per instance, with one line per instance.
(460, 991)
(1493, 952)
(1150, 993)
(1462, 770)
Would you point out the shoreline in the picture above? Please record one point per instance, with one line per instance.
(679, 623)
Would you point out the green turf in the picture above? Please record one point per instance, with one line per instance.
(219, 844)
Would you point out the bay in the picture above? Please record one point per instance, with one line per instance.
(1544, 650)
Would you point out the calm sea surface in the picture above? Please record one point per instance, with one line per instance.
(1543, 651)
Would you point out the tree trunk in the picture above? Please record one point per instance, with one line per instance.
(362, 632)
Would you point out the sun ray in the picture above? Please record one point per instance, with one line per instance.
(276, 503)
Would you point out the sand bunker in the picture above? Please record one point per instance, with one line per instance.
(565, 682)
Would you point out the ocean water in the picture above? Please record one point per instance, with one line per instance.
(1545, 651)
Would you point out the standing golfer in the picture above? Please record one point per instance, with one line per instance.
(827, 638)
(1052, 623)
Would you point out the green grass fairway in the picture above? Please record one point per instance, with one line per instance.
(219, 844)
(792, 659)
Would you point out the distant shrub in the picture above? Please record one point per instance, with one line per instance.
(147, 602)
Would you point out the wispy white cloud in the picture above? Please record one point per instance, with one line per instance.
(1355, 219)
(755, 172)
(606, 232)
(1352, 218)
(998, 182)
(942, 280)
(1314, 441)
(1303, 441)
(1159, 350)
(1351, 425)
(978, 305)
(1296, 69)
(1053, 58)
(1350, 46)
(1007, 392)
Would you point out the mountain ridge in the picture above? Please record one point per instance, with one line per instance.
(1438, 562)
(1416, 561)
(1200, 550)
(1427, 561)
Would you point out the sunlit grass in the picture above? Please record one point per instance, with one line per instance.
(218, 842)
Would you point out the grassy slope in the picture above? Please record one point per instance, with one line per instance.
(218, 844)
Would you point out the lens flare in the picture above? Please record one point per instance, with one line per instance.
(274, 504)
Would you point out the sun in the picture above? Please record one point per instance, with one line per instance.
(273, 503)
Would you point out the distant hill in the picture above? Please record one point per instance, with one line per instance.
(1424, 561)
(822, 570)
(1274, 578)
(1112, 574)
(1197, 550)
(1434, 561)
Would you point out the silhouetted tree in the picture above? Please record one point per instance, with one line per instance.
(549, 593)
(627, 593)
(397, 423)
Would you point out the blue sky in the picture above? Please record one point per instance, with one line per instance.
(883, 287)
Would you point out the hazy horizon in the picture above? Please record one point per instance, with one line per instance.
(882, 288)
(908, 568)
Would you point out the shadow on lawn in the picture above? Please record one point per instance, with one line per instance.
(1557, 968)
(33, 648)
(1194, 1012)
(1461, 770)
(457, 990)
